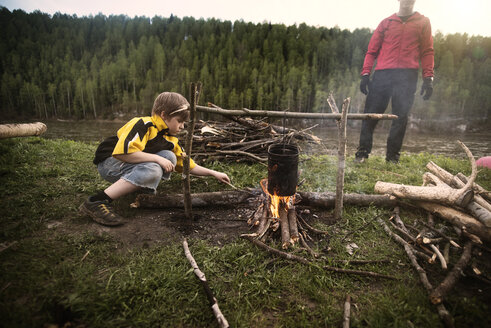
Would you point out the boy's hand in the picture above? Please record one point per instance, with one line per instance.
(222, 177)
(166, 165)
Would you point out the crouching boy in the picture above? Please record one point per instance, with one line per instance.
(144, 152)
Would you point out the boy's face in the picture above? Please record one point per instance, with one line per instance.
(175, 124)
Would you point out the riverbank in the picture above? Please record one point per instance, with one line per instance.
(61, 267)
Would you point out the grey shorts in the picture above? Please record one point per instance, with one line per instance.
(146, 175)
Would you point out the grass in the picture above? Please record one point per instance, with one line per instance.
(43, 279)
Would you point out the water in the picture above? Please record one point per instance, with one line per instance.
(415, 142)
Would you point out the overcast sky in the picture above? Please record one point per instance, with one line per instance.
(447, 16)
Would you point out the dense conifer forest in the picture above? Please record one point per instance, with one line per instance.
(64, 66)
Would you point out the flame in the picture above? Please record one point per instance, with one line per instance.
(276, 200)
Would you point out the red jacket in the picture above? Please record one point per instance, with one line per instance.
(396, 44)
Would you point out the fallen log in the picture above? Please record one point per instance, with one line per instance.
(328, 199)
(228, 197)
(197, 199)
(22, 130)
(458, 219)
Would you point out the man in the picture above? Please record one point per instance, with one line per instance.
(399, 44)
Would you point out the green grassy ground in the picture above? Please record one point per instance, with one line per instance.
(45, 278)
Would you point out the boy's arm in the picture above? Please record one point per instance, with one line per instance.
(141, 157)
(203, 171)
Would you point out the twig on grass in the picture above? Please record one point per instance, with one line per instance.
(209, 294)
(303, 260)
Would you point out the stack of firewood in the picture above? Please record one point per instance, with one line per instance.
(242, 139)
(465, 208)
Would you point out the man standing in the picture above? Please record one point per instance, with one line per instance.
(398, 45)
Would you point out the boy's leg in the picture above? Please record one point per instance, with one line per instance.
(379, 93)
(126, 178)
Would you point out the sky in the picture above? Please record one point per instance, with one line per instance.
(447, 16)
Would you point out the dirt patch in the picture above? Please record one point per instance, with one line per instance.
(145, 228)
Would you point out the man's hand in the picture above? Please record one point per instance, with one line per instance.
(364, 84)
(427, 88)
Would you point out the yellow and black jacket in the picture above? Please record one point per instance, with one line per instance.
(149, 134)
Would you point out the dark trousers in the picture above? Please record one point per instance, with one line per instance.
(400, 86)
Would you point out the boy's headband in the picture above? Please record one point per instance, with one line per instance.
(180, 109)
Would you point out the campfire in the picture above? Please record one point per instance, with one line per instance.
(276, 213)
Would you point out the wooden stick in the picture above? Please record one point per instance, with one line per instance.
(209, 294)
(442, 311)
(338, 208)
(285, 227)
(303, 260)
(453, 276)
(281, 114)
(346, 312)
(187, 149)
(440, 256)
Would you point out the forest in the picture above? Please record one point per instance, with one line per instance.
(103, 67)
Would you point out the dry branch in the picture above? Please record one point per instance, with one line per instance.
(442, 311)
(346, 312)
(209, 294)
(282, 114)
(187, 149)
(338, 208)
(453, 276)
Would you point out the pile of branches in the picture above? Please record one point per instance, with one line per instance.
(242, 139)
(459, 242)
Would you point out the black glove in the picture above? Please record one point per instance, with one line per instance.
(427, 88)
(364, 84)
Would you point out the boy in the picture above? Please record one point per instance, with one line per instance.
(144, 152)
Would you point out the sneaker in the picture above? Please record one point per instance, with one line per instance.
(101, 212)
(359, 160)
(392, 160)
